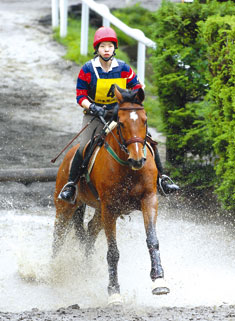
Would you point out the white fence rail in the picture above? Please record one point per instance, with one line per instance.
(102, 10)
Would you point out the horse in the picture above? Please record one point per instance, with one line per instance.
(124, 176)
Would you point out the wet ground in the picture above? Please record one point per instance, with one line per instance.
(38, 116)
(120, 314)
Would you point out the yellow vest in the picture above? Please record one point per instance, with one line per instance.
(105, 88)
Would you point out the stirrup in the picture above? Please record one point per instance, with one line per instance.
(72, 200)
(161, 180)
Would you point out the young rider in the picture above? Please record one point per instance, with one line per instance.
(94, 90)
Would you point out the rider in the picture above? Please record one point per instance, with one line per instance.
(94, 90)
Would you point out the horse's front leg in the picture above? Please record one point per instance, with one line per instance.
(109, 224)
(149, 209)
(61, 228)
(63, 223)
(94, 228)
(78, 218)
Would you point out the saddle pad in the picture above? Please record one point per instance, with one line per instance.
(92, 160)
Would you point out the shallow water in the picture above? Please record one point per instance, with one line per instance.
(198, 259)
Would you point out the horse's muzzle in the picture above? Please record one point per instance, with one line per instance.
(136, 164)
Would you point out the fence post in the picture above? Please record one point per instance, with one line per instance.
(141, 61)
(84, 29)
(55, 13)
(63, 17)
(106, 22)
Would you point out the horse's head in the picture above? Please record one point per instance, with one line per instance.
(132, 125)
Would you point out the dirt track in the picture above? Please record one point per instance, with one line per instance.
(222, 313)
(38, 115)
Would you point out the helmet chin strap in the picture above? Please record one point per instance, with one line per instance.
(107, 59)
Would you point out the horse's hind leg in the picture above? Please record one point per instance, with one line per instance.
(149, 208)
(78, 219)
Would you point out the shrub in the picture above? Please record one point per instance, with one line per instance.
(180, 66)
(219, 33)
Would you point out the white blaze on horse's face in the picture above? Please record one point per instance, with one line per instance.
(137, 148)
(133, 115)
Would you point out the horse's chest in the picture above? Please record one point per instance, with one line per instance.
(124, 195)
(127, 186)
(123, 205)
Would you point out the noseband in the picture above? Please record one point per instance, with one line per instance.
(125, 143)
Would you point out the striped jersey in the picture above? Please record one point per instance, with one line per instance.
(95, 83)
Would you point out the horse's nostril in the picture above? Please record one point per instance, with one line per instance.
(130, 161)
(136, 164)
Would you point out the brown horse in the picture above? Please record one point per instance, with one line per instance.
(124, 175)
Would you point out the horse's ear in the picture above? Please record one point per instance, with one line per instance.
(140, 95)
(118, 94)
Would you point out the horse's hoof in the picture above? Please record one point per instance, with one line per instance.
(159, 287)
(115, 300)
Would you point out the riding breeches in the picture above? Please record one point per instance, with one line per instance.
(96, 125)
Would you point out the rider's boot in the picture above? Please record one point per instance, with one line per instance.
(165, 184)
(69, 191)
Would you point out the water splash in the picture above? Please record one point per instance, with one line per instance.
(198, 259)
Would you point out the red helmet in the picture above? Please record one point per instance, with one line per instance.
(105, 34)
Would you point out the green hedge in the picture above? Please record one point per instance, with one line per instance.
(181, 67)
(219, 34)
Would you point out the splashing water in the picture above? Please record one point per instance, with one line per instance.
(198, 259)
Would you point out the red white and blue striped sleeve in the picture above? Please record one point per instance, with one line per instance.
(132, 79)
(83, 81)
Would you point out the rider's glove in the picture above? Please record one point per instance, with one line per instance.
(96, 110)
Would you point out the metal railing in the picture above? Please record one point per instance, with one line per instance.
(108, 18)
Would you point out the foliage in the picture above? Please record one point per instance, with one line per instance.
(180, 65)
(219, 33)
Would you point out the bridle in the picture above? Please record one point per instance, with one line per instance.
(124, 143)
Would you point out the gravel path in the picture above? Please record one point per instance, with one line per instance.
(38, 115)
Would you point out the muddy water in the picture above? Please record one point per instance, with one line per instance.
(198, 258)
